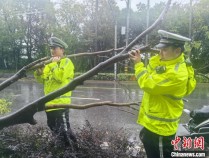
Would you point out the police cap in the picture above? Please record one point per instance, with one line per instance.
(171, 39)
(56, 42)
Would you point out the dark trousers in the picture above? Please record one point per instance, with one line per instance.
(58, 122)
(156, 146)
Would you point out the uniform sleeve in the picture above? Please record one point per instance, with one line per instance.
(158, 84)
(191, 84)
(38, 77)
(45, 75)
(62, 71)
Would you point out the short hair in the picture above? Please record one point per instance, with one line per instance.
(178, 46)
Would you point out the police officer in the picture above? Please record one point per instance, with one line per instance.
(165, 81)
(54, 76)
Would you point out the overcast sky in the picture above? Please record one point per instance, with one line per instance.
(122, 3)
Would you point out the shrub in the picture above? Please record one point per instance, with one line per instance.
(131, 77)
(202, 78)
(110, 76)
(34, 141)
(4, 106)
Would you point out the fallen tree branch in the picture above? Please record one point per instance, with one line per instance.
(86, 106)
(39, 65)
(43, 61)
(25, 114)
(77, 55)
(20, 74)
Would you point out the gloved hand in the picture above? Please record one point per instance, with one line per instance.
(55, 59)
(135, 56)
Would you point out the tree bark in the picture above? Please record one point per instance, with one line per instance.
(39, 65)
(20, 74)
(76, 55)
(86, 106)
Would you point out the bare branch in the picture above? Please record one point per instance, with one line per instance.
(43, 61)
(20, 74)
(148, 30)
(39, 65)
(86, 106)
(25, 114)
(78, 55)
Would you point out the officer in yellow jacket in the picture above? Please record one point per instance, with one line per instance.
(165, 81)
(54, 76)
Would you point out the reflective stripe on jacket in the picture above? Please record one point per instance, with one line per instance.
(55, 76)
(162, 103)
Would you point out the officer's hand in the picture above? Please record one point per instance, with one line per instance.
(135, 56)
(40, 71)
(55, 59)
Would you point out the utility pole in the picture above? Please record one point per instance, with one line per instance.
(190, 26)
(96, 27)
(115, 47)
(190, 20)
(127, 22)
(127, 31)
(115, 39)
(147, 37)
(96, 32)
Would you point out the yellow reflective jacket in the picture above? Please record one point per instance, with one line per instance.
(164, 83)
(55, 76)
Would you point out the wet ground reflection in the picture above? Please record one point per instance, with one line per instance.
(24, 92)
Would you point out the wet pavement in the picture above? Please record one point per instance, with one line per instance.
(105, 117)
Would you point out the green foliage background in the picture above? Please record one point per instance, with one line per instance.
(25, 27)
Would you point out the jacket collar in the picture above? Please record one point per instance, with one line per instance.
(174, 61)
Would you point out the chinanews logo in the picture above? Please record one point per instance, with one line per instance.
(187, 143)
(188, 147)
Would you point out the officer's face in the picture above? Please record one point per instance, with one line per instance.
(169, 53)
(57, 51)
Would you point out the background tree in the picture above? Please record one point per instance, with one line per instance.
(200, 49)
(24, 31)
